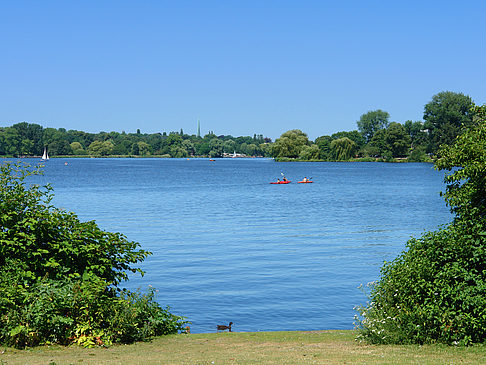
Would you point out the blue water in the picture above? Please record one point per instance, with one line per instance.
(228, 246)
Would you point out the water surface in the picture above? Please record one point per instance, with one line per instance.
(228, 246)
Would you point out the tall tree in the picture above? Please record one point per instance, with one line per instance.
(354, 136)
(444, 116)
(324, 144)
(343, 149)
(466, 157)
(371, 122)
(32, 132)
(415, 131)
(397, 139)
(290, 144)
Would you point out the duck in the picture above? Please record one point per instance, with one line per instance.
(222, 327)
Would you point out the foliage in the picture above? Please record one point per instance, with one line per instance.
(416, 132)
(98, 148)
(444, 117)
(343, 149)
(392, 141)
(354, 136)
(290, 144)
(309, 153)
(418, 155)
(371, 122)
(466, 185)
(435, 291)
(59, 276)
(397, 139)
(376, 136)
(324, 144)
(31, 139)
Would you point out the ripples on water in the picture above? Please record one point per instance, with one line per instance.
(228, 246)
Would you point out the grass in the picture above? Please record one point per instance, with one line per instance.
(316, 347)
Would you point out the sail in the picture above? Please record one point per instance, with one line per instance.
(45, 156)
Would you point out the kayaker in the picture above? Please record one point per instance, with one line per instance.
(284, 179)
(305, 179)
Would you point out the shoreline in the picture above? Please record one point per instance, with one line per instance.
(361, 159)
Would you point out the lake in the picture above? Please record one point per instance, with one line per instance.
(229, 246)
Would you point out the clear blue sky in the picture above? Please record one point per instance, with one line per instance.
(242, 67)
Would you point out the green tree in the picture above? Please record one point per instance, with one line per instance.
(466, 185)
(252, 149)
(189, 147)
(397, 140)
(343, 149)
(354, 136)
(59, 277)
(391, 142)
(229, 146)
(10, 142)
(308, 153)
(98, 148)
(444, 116)
(416, 132)
(135, 149)
(77, 148)
(202, 149)
(34, 133)
(216, 147)
(178, 152)
(324, 144)
(435, 291)
(59, 147)
(290, 144)
(143, 149)
(371, 122)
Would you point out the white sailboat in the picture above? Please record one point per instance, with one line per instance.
(45, 156)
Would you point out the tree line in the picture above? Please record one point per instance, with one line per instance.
(29, 139)
(375, 137)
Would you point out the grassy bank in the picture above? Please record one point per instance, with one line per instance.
(317, 347)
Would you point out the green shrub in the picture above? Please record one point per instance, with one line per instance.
(435, 291)
(59, 276)
(418, 155)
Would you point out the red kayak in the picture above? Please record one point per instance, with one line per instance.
(305, 182)
(281, 182)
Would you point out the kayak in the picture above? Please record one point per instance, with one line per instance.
(305, 182)
(281, 182)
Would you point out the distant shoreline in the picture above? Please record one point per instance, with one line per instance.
(361, 159)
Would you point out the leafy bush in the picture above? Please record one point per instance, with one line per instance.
(435, 291)
(59, 277)
(418, 155)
